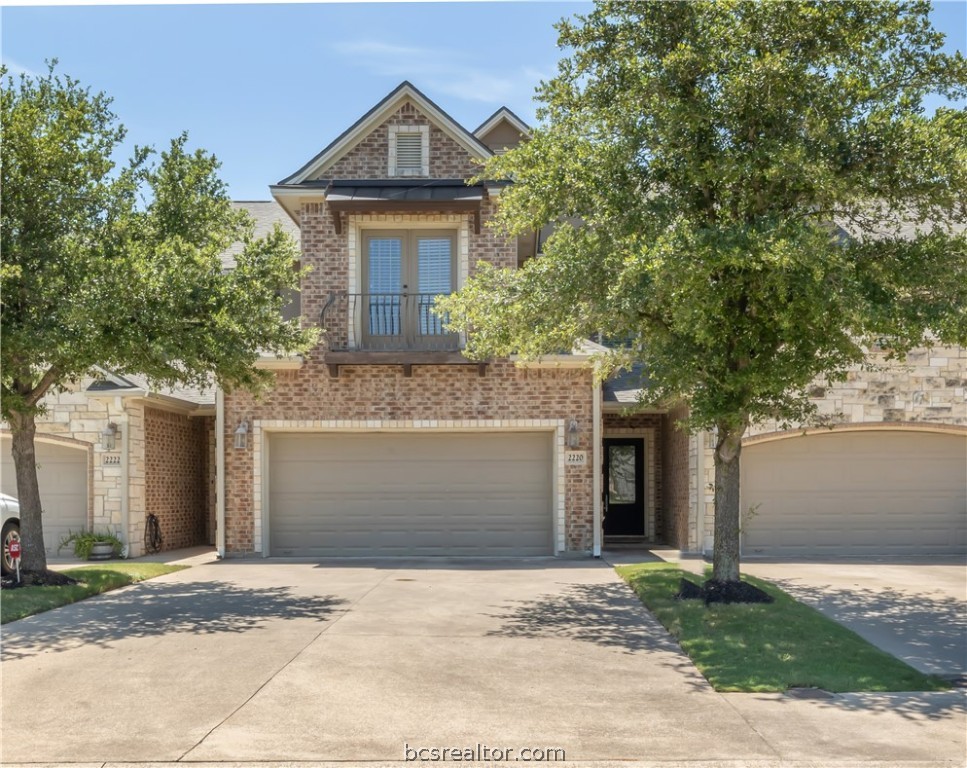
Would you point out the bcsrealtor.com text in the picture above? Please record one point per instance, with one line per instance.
(481, 753)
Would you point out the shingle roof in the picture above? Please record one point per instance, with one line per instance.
(116, 382)
(266, 213)
(625, 386)
(503, 113)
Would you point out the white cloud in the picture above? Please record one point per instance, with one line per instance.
(16, 69)
(381, 51)
(448, 71)
(475, 85)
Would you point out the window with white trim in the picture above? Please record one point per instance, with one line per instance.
(409, 150)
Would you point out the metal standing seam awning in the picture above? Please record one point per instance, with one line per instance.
(408, 196)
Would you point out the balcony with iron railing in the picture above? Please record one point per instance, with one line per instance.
(388, 329)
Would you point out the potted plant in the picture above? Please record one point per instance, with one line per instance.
(91, 545)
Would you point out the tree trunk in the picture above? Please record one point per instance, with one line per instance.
(725, 554)
(33, 555)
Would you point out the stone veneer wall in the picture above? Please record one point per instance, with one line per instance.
(381, 397)
(74, 417)
(927, 390)
(176, 459)
(650, 427)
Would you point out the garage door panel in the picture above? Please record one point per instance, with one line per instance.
(839, 494)
(62, 473)
(404, 494)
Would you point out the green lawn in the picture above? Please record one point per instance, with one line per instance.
(769, 647)
(94, 579)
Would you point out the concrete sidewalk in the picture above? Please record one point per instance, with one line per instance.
(723, 763)
(914, 609)
(267, 661)
(187, 556)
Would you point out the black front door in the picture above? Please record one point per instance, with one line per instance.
(624, 486)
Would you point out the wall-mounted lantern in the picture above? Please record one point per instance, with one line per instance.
(109, 436)
(573, 434)
(241, 434)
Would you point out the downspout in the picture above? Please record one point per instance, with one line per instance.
(126, 477)
(596, 461)
(700, 491)
(220, 472)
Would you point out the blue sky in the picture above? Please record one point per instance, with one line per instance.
(265, 87)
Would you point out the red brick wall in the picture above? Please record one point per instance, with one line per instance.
(176, 476)
(676, 479)
(454, 393)
(327, 253)
(211, 481)
(432, 392)
(369, 159)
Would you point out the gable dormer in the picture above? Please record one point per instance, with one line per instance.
(405, 135)
(503, 130)
(389, 224)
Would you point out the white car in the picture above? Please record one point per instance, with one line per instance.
(10, 510)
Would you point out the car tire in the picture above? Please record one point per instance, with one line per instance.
(11, 532)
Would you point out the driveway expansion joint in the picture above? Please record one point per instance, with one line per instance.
(278, 671)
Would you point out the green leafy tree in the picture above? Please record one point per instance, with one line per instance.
(119, 267)
(740, 172)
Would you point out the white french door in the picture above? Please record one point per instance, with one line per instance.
(403, 273)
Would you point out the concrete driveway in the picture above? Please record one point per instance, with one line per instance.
(275, 660)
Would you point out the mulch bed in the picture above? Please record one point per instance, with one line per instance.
(37, 579)
(713, 591)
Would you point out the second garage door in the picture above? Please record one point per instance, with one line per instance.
(843, 494)
(456, 494)
(62, 477)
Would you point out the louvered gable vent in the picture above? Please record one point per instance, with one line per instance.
(409, 152)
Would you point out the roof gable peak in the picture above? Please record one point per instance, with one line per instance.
(507, 115)
(404, 92)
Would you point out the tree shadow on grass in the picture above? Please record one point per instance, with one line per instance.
(607, 615)
(926, 629)
(154, 608)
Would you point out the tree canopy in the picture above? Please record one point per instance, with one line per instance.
(118, 266)
(749, 192)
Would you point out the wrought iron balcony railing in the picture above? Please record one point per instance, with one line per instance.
(386, 322)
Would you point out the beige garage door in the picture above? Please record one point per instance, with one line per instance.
(62, 476)
(463, 494)
(856, 494)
